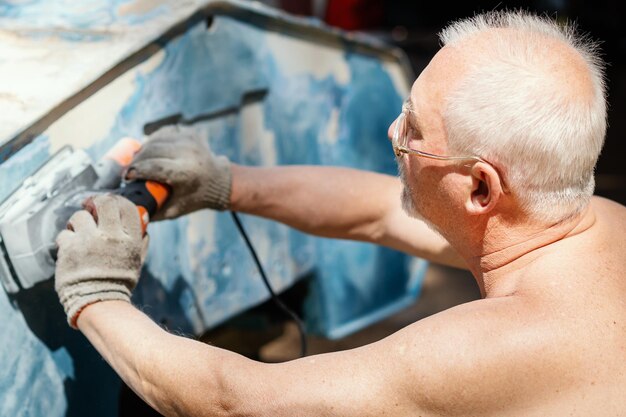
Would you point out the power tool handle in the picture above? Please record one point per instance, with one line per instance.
(148, 196)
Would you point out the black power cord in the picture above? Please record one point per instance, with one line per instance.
(289, 312)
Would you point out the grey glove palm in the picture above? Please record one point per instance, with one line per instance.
(99, 259)
(181, 159)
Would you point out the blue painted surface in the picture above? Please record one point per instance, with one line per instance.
(198, 273)
(69, 14)
(23, 164)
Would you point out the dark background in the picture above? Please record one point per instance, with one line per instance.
(413, 25)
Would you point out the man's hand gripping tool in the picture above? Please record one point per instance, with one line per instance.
(33, 215)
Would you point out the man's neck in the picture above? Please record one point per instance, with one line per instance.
(501, 253)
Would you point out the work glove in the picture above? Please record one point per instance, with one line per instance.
(100, 255)
(181, 159)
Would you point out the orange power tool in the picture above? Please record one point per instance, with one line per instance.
(148, 196)
(34, 214)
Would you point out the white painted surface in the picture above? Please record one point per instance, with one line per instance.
(39, 69)
(255, 137)
(398, 77)
(201, 235)
(319, 60)
(93, 119)
(331, 134)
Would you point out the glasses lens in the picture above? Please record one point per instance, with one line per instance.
(402, 132)
(399, 131)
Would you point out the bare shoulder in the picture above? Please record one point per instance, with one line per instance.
(598, 247)
(609, 232)
(508, 356)
(609, 208)
(484, 357)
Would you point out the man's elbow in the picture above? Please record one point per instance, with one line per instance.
(206, 383)
(222, 387)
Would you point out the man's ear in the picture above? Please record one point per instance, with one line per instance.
(486, 189)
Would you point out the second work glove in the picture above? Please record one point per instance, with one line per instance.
(181, 159)
(99, 257)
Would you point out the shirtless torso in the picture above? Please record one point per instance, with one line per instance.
(550, 342)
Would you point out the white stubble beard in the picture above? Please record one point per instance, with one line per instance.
(408, 193)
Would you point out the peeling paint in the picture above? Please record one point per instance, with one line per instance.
(81, 15)
(398, 77)
(82, 126)
(256, 138)
(323, 105)
(316, 60)
(139, 7)
(331, 134)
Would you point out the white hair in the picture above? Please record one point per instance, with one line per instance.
(515, 109)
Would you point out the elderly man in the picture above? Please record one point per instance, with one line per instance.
(496, 147)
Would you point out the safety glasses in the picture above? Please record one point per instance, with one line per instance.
(400, 140)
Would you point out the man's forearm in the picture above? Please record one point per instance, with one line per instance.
(340, 203)
(325, 201)
(157, 365)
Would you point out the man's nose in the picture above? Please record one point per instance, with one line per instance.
(392, 126)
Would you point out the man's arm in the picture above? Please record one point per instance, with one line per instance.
(339, 203)
(98, 265)
(182, 377)
(465, 361)
(331, 202)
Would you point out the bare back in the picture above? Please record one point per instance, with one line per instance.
(583, 297)
(555, 346)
